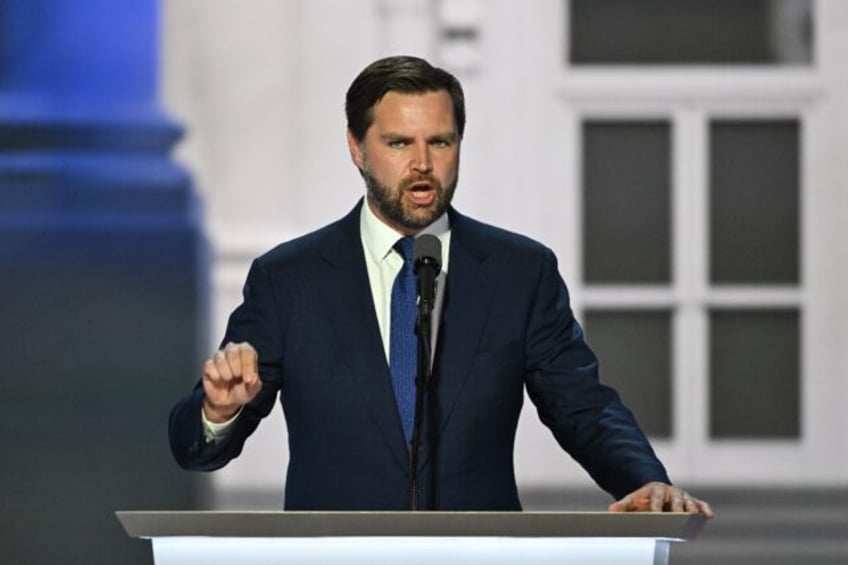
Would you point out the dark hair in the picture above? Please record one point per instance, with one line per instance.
(408, 75)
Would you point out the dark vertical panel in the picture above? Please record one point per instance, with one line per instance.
(634, 348)
(755, 382)
(100, 335)
(627, 202)
(755, 202)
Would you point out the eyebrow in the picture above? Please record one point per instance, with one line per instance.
(450, 136)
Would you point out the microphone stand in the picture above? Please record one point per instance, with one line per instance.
(422, 381)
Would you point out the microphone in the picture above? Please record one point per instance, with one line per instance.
(427, 254)
(427, 262)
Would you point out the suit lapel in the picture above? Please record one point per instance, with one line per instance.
(347, 293)
(467, 308)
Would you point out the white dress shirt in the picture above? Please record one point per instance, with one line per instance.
(384, 264)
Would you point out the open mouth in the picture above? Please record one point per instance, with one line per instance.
(421, 193)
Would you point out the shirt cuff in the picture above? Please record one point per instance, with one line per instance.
(214, 432)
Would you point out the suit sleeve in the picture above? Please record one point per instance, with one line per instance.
(258, 321)
(586, 417)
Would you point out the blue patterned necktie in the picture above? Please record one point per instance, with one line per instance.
(403, 344)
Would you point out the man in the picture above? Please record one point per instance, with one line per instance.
(319, 326)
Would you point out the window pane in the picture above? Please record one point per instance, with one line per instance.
(626, 202)
(634, 349)
(690, 31)
(755, 374)
(754, 202)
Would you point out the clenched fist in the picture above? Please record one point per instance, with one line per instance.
(230, 380)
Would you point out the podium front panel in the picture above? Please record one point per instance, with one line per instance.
(409, 551)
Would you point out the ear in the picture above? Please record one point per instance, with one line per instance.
(355, 150)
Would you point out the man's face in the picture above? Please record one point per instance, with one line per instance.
(409, 159)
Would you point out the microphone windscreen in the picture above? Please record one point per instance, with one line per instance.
(428, 247)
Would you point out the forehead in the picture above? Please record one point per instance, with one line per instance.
(414, 111)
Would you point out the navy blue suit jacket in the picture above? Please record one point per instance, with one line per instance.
(506, 325)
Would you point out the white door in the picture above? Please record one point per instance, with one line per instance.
(679, 157)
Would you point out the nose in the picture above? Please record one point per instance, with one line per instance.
(422, 161)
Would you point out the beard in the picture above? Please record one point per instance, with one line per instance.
(407, 216)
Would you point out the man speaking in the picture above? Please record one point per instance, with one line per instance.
(330, 324)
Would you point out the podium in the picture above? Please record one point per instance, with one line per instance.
(412, 538)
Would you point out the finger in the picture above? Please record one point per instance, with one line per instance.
(657, 498)
(252, 389)
(690, 504)
(220, 360)
(249, 360)
(210, 372)
(704, 509)
(678, 500)
(214, 387)
(622, 505)
(233, 355)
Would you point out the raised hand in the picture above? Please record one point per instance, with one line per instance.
(230, 380)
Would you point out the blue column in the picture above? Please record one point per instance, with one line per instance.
(102, 280)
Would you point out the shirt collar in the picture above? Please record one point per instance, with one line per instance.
(380, 238)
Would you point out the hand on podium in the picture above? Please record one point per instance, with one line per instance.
(230, 380)
(660, 497)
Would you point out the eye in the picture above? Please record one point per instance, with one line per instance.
(441, 142)
(397, 143)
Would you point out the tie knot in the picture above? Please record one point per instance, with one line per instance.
(404, 246)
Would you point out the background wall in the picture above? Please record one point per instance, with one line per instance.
(262, 92)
